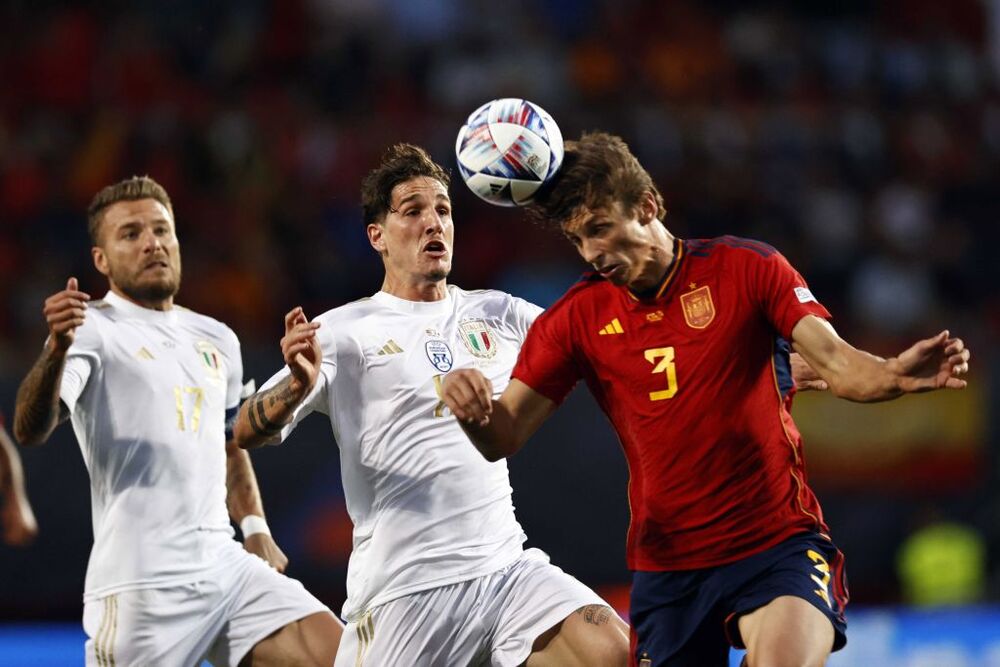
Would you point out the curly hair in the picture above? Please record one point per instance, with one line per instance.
(399, 163)
(597, 171)
(131, 189)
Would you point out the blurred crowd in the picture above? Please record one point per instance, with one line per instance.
(861, 139)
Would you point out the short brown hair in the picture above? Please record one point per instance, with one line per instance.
(131, 189)
(597, 171)
(399, 163)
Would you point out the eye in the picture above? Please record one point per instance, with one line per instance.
(444, 211)
(131, 235)
(161, 231)
(412, 212)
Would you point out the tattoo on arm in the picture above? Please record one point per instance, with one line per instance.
(259, 421)
(37, 409)
(595, 614)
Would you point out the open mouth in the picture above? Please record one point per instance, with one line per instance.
(609, 271)
(436, 248)
(158, 264)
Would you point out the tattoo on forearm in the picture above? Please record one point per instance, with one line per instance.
(282, 392)
(595, 614)
(36, 410)
(259, 422)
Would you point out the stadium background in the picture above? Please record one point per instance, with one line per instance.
(863, 141)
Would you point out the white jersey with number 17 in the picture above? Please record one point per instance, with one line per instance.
(148, 393)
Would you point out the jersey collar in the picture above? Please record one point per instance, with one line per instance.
(136, 312)
(416, 307)
(672, 271)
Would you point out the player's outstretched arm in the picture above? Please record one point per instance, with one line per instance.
(37, 411)
(247, 509)
(264, 414)
(805, 377)
(498, 428)
(17, 522)
(932, 363)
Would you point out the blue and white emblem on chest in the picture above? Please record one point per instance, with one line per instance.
(439, 355)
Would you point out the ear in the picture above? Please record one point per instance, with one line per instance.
(376, 237)
(647, 208)
(100, 260)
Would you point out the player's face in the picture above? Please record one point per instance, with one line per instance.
(616, 242)
(417, 235)
(138, 251)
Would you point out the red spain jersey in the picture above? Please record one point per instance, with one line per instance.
(696, 381)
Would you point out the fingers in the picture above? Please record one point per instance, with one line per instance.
(301, 339)
(469, 395)
(294, 317)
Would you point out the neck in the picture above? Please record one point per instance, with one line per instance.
(152, 304)
(658, 259)
(419, 290)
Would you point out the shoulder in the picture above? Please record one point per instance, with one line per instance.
(212, 328)
(730, 247)
(591, 287)
(490, 301)
(349, 312)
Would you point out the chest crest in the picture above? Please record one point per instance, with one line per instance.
(210, 357)
(478, 338)
(699, 310)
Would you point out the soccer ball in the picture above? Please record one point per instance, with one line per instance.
(507, 149)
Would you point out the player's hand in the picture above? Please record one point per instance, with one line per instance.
(64, 312)
(264, 546)
(933, 363)
(17, 521)
(469, 395)
(301, 351)
(806, 379)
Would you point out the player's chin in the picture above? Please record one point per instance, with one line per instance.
(153, 289)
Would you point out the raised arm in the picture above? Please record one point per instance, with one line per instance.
(37, 411)
(262, 417)
(932, 363)
(247, 509)
(498, 428)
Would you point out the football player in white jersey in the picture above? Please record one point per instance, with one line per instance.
(17, 522)
(438, 576)
(149, 386)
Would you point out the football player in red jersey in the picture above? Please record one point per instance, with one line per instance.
(685, 344)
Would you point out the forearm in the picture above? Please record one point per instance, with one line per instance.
(497, 438)
(242, 492)
(36, 411)
(856, 375)
(264, 414)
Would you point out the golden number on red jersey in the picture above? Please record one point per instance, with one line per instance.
(662, 359)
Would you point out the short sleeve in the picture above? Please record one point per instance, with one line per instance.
(782, 293)
(318, 399)
(521, 315)
(234, 378)
(547, 363)
(82, 360)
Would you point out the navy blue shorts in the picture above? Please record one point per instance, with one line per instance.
(690, 617)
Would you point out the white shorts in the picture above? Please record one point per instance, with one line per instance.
(492, 620)
(218, 619)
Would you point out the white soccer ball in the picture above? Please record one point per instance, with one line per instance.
(507, 149)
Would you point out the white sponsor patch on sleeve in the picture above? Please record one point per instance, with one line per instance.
(804, 295)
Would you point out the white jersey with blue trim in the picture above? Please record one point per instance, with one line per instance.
(148, 393)
(428, 509)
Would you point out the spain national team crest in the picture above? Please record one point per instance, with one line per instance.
(699, 311)
(478, 338)
(439, 355)
(210, 356)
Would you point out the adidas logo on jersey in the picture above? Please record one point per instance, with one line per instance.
(143, 353)
(612, 328)
(390, 348)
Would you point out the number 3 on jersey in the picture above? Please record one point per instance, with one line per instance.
(662, 359)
